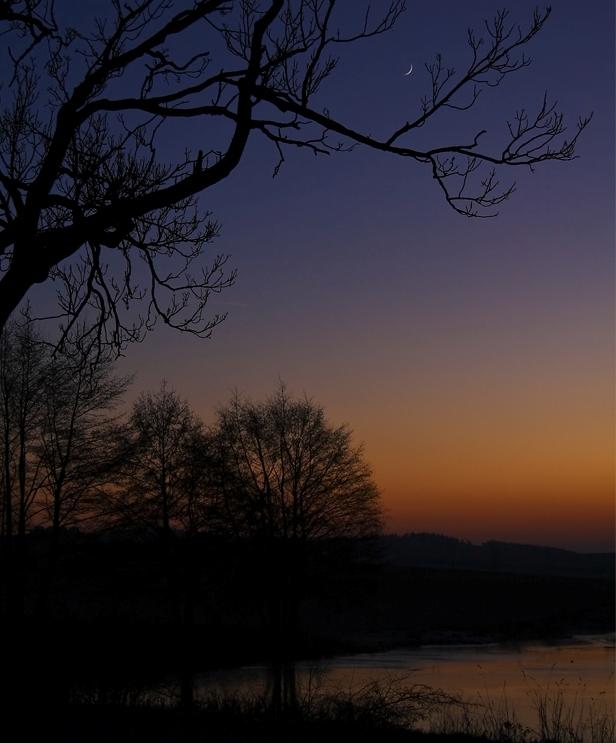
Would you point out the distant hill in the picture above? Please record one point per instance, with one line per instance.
(439, 551)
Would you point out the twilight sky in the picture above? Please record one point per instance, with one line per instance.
(473, 358)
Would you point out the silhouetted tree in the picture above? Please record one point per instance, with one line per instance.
(55, 425)
(80, 391)
(23, 365)
(163, 493)
(23, 360)
(89, 202)
(159, 478)
(287, 482)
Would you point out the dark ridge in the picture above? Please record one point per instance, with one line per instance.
(440, 551)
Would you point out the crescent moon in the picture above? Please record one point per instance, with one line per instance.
(406, 74)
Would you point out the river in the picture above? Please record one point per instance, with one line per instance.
(506, 680)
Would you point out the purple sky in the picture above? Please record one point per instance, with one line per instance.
(474, 358)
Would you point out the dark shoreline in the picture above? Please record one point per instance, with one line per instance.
(392, 608)
(48, 702)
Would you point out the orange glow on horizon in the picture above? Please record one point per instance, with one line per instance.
(483, 452)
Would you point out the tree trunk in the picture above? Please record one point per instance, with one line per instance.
(282, 672)
(275, 674)
(48, 571)
(289, 634)
(6, 568)
(188, 619)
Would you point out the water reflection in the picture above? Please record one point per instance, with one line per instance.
(580, 673)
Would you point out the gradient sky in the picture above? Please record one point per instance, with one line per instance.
(473, 358)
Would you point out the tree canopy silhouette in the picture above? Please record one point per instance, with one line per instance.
(288, 485)
(285, 474)
(87, 199)
(162, 464)
(57, 417)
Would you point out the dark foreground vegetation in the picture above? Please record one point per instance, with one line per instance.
(236, 723)
(112, 632)
(112, 609)
(386, 712)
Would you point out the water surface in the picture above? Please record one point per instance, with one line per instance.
(509, 678)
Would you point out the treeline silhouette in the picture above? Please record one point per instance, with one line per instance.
(144, 544)
(271, 484)
(113, 616)
(364, 602)
(113, 628)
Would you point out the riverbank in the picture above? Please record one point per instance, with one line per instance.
(379, 714)
(118, 642)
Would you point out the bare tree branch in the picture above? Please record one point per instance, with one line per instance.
(87, 200)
